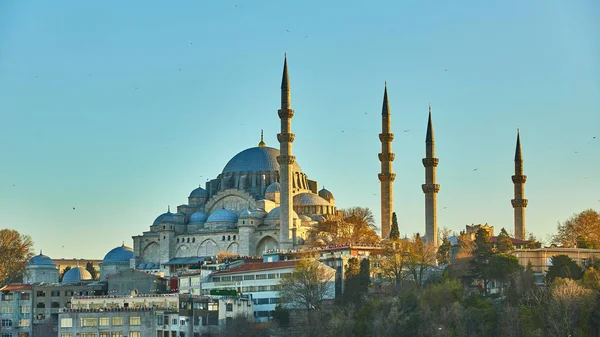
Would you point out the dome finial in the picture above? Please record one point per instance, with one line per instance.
(40, 252)
(262, 143)
(168, 208)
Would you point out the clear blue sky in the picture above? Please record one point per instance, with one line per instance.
(120, 108)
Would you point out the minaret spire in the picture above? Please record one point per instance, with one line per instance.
(386, 177)
(285, 160)
(430, 188)
(519, 203)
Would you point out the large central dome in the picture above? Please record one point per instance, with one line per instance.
(256, 159)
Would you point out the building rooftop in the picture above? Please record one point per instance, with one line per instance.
(258, 267)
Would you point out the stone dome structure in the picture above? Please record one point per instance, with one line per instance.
(77, 274)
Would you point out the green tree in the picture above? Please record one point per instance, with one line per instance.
(503, 242)
(395, 231)
(15, 252)
(443, 253)
(364, 276)
(394, 258)
(533, 242)
(480, 262)
(503, 267)
(90, 268)
(580, 230)
(352, 282)
(564, 267)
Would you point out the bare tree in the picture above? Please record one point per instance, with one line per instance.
(353, 225)
(15, 252)
(421, 256)
(564, 310)
(393, 261)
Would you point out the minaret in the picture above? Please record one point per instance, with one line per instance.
(519, 203)
(386, 177)
(285, 160)
(430, 188)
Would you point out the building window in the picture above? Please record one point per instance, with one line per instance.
(193, 239)
(196, 320)
(25, 309)
(66, 334)
(40, 293)
(55, 293)
(261, 276)
(223, 237)
(7, 297)
(6, 323)
(105, 334)
(135, 320)
(24, 296)
(40, 305)
(248, 277)
(177, 240)
(66, 322)
(188, 240)
(88, 334)
(229, 307)
(6, 309)
(117, 321)
(88, 321)
(104, 321)
(68, 292)
(135, 334)
(273, 276)
(228, 237)
(116, 334)
(55, 305)
(213, 306)
(237, 278)
(182, 322)
(234, 238)
(23, 322)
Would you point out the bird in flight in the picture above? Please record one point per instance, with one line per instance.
(73, 208)
(475, 170)
(406, 130)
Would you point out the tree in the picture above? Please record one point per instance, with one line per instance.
(580, 230)
(533, 242)
(15, 252)
(352, 282)
(67, 268)
(353, 225)
(503, 242)
(90, 268)
(564, 267)
(502, 268)
(308, 285)
(421, 256)
(480, 262)
(241, 327)
(364, 275)
(395, 254)
(395, 231)
(443, 253)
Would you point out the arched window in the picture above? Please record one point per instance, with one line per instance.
(228, 237)
(188, 240)
(177, 240)
(193, 239)
(234, 238)
(223, 237)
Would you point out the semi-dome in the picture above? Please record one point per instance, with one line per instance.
(197, 218)
(121, 255)
(41, 260)
(309, 199)
(222, 215)
(274, 187)
(325, 194)
(199, 193)
(256, 159)
(274, 214)
(305, 218)
(76, 274)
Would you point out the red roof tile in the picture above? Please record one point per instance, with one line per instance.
(258, 266)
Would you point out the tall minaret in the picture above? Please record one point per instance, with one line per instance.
(430, 188)
(285, 160)
(518, 202)
(386, 177)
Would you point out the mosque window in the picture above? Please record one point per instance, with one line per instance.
(234, 237)
(193, 239)
(223, 237)
(164, 227)
(177, 240)
(252, 222)
(228, 237)
(188, 240)
(164, 237)
(243, 222)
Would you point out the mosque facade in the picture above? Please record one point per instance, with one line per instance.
(249, 208)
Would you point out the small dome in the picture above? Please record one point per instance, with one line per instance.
(245, 214)
(163, 218)
(305, 218)
(41, 260)
(199, 193)
(121, 254)
(76, 274)
(274, 187)
(325, 194)
(256, 159)
(274, 214)
(141, 266)
(222, 215)
(198, 218)
(309, 199)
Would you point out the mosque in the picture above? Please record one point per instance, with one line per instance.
(261, 200)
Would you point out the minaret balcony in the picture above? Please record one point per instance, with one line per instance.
(285, 113)
(519, 179)
(387, 156)
(386, 137)
(384, 177)
(430, 162)
(285, 137)
(519, 203)
(286, 160)
(430, 188)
